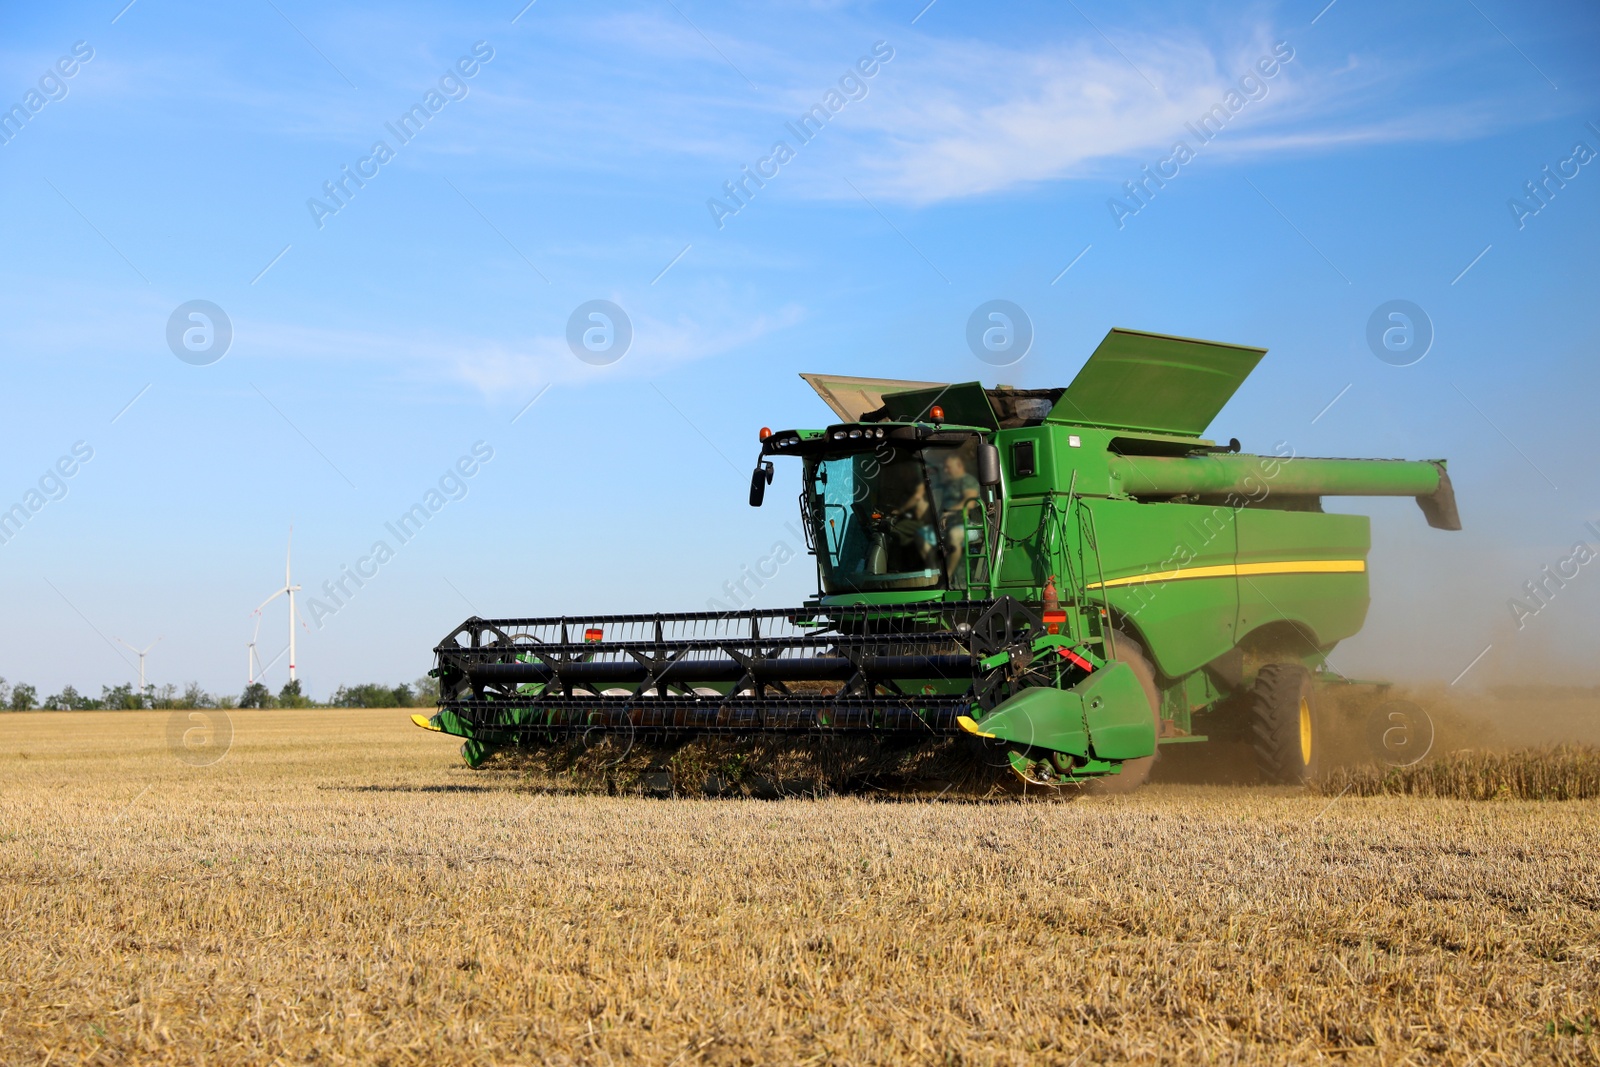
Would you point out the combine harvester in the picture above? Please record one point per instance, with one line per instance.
(1069, 577)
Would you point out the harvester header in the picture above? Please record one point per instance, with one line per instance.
(1070, 577)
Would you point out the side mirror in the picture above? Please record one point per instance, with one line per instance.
(988, 464)
(759, 480)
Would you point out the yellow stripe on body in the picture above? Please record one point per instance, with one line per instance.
(1241, 570)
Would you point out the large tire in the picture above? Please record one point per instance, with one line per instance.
(1135, 772)
(1283, 724)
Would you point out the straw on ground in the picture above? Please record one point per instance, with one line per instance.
(339, 889)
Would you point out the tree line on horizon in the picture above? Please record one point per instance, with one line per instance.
(24, 697)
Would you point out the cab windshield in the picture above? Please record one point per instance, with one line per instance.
(895, 518)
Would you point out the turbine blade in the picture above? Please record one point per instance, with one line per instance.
(270, 599)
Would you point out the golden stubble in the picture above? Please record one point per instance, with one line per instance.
(339, 889)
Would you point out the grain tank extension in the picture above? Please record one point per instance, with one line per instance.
(1069, 578)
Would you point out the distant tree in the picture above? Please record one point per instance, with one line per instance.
(120, 698)
(195, 697)
(166, 697)
(290, 696)
(225, 701)
(24, 697)
(427, 688)
(256, 695)
(5, 693)
(349, 696)
(371, 695)
(69, 699)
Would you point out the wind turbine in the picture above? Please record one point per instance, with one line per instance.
(141, 653)
(254, 668)
(290, 589)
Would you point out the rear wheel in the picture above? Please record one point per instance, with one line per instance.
(1135, 772)
(1283, 722)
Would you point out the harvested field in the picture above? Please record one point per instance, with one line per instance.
(338, 888)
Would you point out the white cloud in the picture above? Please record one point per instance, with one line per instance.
(636, 93)
(510, 372)
(956, 118)
(957, 121)
(129, 326)
(961, 120)
(658, 346)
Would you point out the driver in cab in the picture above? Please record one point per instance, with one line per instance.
(952, 488)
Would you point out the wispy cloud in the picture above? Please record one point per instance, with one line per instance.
(503, 371)
(949, 118)
(957, 118)
(962, 120)
(498, 366)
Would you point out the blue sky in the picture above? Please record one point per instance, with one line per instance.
(374, 346)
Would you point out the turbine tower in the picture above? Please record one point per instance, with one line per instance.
(289, 589)
(141, 653)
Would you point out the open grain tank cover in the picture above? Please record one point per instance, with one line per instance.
(851, 398)
(1155, 383)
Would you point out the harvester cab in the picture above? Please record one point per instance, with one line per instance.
(898, 505)
(1068, 578)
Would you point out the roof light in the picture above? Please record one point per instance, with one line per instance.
(593, 633)
(854, 434)
(936, 413)
(765, 433)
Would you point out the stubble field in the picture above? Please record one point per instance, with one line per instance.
(339, 889)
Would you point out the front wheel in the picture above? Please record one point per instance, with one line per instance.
(1283, 724)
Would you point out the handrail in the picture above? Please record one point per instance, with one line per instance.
(1107, 630)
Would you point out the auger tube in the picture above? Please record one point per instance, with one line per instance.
(1253, 478)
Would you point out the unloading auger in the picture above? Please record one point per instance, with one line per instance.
(1068, 578)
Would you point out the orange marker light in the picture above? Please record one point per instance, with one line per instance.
(592, 634)
(936, 413)
(765, 433)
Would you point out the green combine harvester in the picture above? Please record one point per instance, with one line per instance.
(1069, 578)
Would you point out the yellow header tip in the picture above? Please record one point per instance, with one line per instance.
(971, 727)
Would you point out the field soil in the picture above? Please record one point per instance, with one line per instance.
(337, 887)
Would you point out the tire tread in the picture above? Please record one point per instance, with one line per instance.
(1275, 722)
